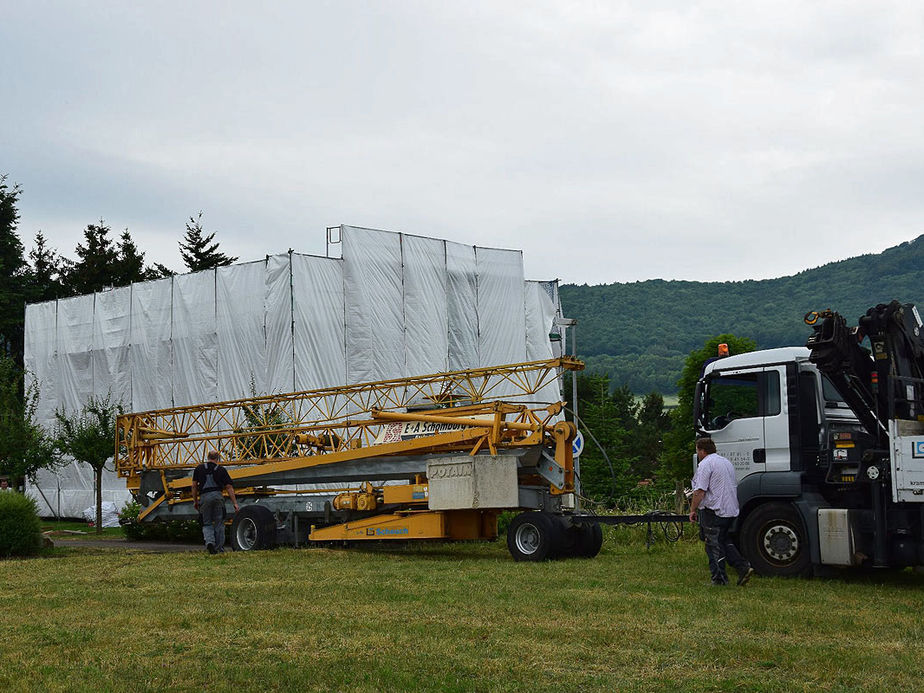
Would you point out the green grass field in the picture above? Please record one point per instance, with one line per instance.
(448, 617)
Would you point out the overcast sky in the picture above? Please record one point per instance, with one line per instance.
(611, 142)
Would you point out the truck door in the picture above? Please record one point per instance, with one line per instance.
(774, 412)
(742, 411)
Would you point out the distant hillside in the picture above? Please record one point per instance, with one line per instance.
(640, 333)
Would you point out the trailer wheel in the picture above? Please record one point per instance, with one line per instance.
(773, 540)
(590, 539)
(253, 528)
(534, 536)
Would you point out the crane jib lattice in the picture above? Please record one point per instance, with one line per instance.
(331, 420)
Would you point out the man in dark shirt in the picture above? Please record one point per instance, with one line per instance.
(209, 479)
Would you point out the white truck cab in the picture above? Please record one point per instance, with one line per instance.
(820, 481)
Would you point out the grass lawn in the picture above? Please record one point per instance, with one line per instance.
(449, 617)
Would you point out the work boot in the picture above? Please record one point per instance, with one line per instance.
(745, 576)
(210, 547)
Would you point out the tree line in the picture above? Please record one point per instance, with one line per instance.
(102, 259)
(640, 333)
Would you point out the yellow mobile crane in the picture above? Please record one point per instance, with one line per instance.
(428, 457)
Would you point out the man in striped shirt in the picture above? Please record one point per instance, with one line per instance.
(715, 505)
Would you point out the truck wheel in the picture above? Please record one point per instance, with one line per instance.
(253, 528)
(534, 536)
(773, 540)
(590, 539)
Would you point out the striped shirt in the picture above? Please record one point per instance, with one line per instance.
(716, 476)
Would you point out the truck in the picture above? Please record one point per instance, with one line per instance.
(827, 441)
(432, 457)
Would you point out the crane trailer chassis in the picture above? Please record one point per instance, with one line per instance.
(428, 457)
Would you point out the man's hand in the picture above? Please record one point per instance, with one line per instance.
(236, 507)
(693, 516)
(196, 504)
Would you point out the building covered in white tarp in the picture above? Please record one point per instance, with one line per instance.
(393, 305)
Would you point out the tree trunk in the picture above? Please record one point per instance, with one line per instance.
(99, 500)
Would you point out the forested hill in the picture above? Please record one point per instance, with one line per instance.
(640, 333)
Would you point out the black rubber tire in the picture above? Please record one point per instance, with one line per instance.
(253, 529)
(773, 539)
(565, 541)
(534, 536)
(589, 541)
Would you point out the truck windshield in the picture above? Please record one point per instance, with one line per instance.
(740, 396)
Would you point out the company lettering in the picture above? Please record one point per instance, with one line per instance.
(451, 471)
(391, 531)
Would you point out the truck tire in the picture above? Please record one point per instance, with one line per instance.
(534, 536)
(590, 539)
(774, 541)
(253, 528)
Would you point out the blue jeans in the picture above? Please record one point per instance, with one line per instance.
(212, 507)
(719, 547)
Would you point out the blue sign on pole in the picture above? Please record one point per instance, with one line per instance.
(577, 445)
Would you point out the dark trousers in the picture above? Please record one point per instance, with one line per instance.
(719, 548)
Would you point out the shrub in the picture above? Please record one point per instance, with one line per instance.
(20, 528)
(174, 530)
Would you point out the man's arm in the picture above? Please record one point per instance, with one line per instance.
(698, 496)
(230, 489)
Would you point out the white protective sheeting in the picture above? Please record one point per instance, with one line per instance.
(541, 308)
(41, 358)
(241, 338)
(74, 338)
(461, 305)
(195, 339)
(110, 350)
(66, 491)
(109, 512)
(151, 348)
(318, 322)
(374, 298)
(426, 314)
(280, 349)
(501, 306)
(392, 306)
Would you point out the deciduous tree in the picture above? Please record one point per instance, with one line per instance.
(678, 443)
(25, 447)
(88, 435)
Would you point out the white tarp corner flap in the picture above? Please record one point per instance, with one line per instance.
(109, 512)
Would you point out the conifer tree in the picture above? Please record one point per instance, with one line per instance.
(198, 250)
(12, 270)
(45, 272)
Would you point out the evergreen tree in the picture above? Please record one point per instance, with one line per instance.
(97, 263)
(12, 270)
(199, 252)
(45, 272)
(129, 262)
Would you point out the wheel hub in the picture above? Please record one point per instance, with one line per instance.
(247, 534)
(781, 543)
(527, 539)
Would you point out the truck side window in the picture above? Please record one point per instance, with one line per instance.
(742, 396)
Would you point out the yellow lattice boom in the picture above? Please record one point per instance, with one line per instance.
(334, 423)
